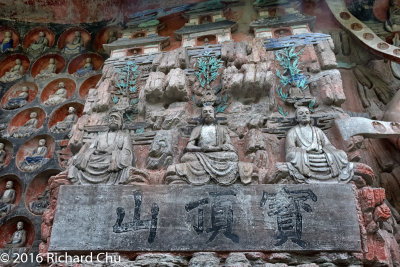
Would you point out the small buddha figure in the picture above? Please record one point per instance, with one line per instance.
(37, 158)
(67, 123)
(7, 42)
(393, 22)
(210, 156)
(310, 157)
(76, 46)
(7, 199)
(42, 202)
(19, 101)
(40, 45)
(87, 68)
(14, 73)
(28, 128)
(3, 155)
(58, 97)
(112, 37)
(50, 69)
(18, 238)
(206, 42)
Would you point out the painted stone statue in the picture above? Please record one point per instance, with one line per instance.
(14, 73)
(7, 199)
(3, 155)
(19, 101)
(393, 22)
(42, 202)
(67, 123)
(40, 45)
(18, 238)
(58, 97)
(37, 158)
(86, 69)
(310, 157)
(210, 156)
(161, 150)
(107, 160)
(7, 42)
(28, 128)
(112, 37)
(75, 46)
(50, 69)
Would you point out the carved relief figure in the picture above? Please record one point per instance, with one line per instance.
(40, 45)
(18, 238)
(37, 158)
(59, 96)
(50, 69)
(107, 160)
(3, 155)
(28, 128)
(14, 73)
(112, 37)
(311, 157)
(67, 123)
(19, 101)
(7, 199)
(76, 46)
(39, 205)
(7, 42)
(87, 68)
(393, 22)
(210, 156)
(161, 152)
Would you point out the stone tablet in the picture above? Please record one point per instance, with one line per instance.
(210, 217)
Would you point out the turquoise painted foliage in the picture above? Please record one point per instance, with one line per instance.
(126, 81)
(289, 60)
(207, 69)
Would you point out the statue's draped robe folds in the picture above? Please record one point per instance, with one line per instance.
(315, 160)
(200, 167)
(106, 161)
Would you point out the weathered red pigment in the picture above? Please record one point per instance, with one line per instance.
(16, 90)
(27, 148)
(9, 62)
(52, 87)
(103, 35)
(79, 61)
(88, 84)
(14, 35)
(60, 113)
(33, 34)
(42, 63)
(17, 187)
(22, 117)
(68, 35)
(10, 226)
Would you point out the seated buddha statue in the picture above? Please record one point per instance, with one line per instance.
(37, 157)
(7, 199)
(7, 42)
(58, 97)
(18, 101)
(28, 128)
(14, 73)
(75, 46)
(40, 45)
(87, 68)
(67, 123)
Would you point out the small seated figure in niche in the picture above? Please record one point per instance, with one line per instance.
(3, 155)
(206, 42)
(210, 156)
(310, 157)
(28, 128)
(107, 160)
(40, 45)
(7, 42)
(7, 199)
(58, 97)
(86, 69)
(112, 37)
(295, 92)
(76, 46)
(18, 239)
(14, 73)
(42, 202)
(50, 69)
(161, 152)
(37, 158)
(67, 123)
(19, 101)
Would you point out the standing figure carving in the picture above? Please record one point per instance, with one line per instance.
(14, 73)
(19, 101)
(7, 199)
(75, 46)
(40, 45)
(210, 155)
(28, 128)
(58, 97)
(310, 157)
(107, 159)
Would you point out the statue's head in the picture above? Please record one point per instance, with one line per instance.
(7, 34)
(18, 61)
(303, 115)
(9, 184)
(33, 115)
(77, 34)
(42, 142)
(25, 88)
(52, 60)
(71, 110)
(61, 85)
(1, 145)
(115, 121)
(208, 114)
(41, 34)
(20, 225)
(88, 60)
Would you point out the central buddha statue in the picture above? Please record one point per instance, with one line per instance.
(209, 155)
(310, 157)
(58, 97)
(14, 73)
(107, 159)
(19, 101)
